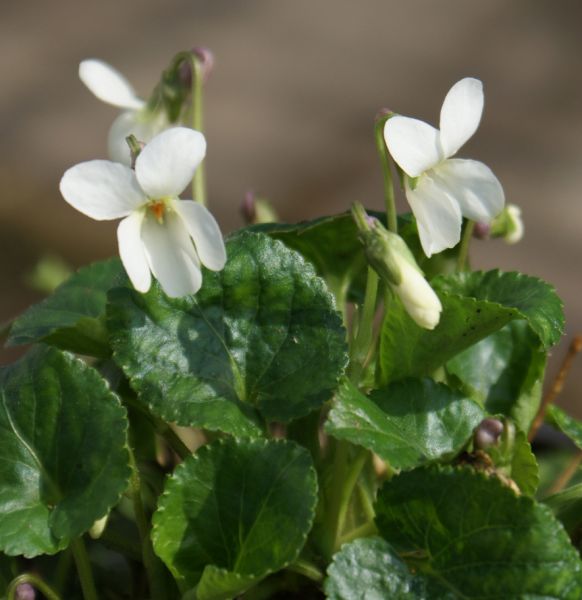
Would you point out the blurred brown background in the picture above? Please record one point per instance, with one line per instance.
(289, 112)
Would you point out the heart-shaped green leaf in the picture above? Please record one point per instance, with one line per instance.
(475, 305)
(235, 512)
(72, 317)
(505, 372)
(260, 341)
(64, 459)
(370, 569)
(476, 537)
(408, 423)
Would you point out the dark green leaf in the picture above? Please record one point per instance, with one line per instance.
(535, 300)
(407, 423)
(261, 337)
(490, 301)
(559, 419)
(567, 506)
(476, 537)
(370, 569)
(505, 372)
(235, 512)
(72, 317)
(64, 459)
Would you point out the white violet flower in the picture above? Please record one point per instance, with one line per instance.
(159, 232)
(440, 189)
(110, 86)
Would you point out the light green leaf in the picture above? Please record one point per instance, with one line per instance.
(408, 423)
(562, 421)
(476, 537)
(63, 454)
(475, 305)
(370, 569)
(260, 341)
(505, 372)
(72, 317)
(235, 512)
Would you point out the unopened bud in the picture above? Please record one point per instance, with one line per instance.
(383, 114)
(508, 224)
(24, 591)
(98, 527)
(487, 433)
(135, 148)
(205, 59)
(257, 210)
(390, 257)
(481, 231)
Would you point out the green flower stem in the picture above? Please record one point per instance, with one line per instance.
(153, 566)
(365, 530)
(199, 180)
(84, 569)
(362, 345)
(465, 243)
(391, 217)
(62, 570)
(352, 476)
(307, 569)
(161, 428)
(35, 582)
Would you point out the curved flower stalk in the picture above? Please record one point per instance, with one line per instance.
(159, 234)
(442, 190)
(137, 118)
(390, 257)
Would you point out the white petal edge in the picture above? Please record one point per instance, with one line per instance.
(460, 114)
(108, 84)
(474, 186)
(205, 232)
(438, 216)
(418, 297)
(132, 252)
(142, 124)
(413, 144)
(102, 189)
(167, 164)
(171, 255)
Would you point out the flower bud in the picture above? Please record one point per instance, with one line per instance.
(508, 224)
(487, 433)
(25, 591)
(205, 58)
(481, 231)
(390, 257)
(257, 210)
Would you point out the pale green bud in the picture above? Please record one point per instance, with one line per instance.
(390, 257)
(508, 224)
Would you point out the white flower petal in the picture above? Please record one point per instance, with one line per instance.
(473, 185)
(108, 84)
(166, 165)
(205, 232)
(143, 124)
(413, 144)
(438, 216)
(171, 255)
(132, 252)
(102, 189)
(418, 297)
(460, 114)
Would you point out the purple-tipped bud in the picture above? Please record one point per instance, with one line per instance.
(481, 231)
(372, 221)
(248, 207)
(206, 60)
(382, 114)
(24, 591)
(487, 433)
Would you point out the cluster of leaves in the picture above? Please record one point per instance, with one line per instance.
(305, 479)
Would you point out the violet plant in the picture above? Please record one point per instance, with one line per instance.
(335, 408)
